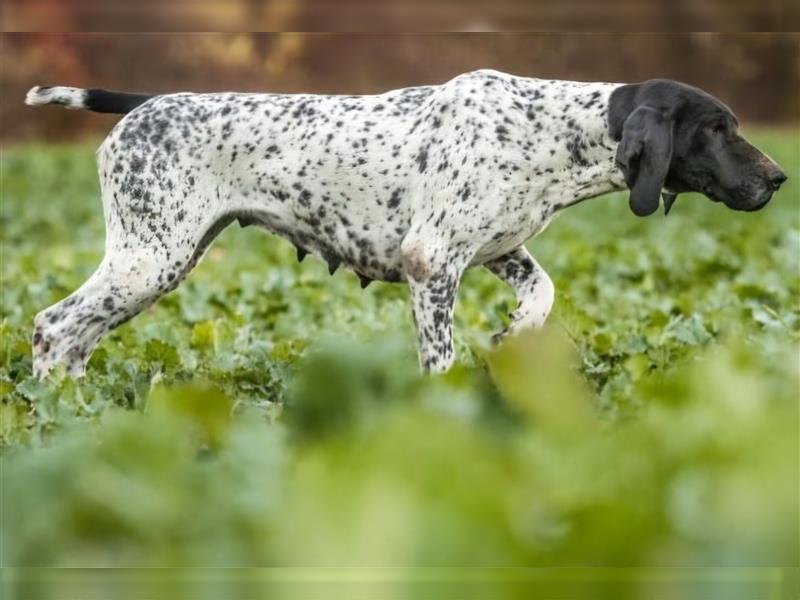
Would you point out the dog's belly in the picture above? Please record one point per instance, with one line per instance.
(362, 229)
(359, 237)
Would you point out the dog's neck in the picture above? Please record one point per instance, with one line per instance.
(579, 147)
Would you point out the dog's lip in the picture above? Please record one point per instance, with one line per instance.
(751, 208)
(758, 206)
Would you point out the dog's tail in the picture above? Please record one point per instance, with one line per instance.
(103, 101)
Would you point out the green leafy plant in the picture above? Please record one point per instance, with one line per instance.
(267, 414)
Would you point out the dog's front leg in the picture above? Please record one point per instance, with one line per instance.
(532, 286)
(433, 275)
(432, 304)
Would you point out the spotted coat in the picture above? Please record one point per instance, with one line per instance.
(414, 185)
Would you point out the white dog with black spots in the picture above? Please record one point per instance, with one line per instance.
(414, 185)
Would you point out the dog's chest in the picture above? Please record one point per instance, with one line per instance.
(515, 223)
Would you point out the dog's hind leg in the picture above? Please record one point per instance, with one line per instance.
(532, 286)
(131, 277)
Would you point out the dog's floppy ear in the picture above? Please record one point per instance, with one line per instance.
(644, 155)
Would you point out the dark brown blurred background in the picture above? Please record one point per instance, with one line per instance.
(756, 74)
(401, 15)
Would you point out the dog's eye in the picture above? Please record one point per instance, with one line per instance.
(716, 128)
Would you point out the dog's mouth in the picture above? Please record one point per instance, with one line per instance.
(748, 207)
(758, 206)
(751, 200)
(747, 200)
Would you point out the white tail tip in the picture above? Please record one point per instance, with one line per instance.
(68, 97)
(32, 98)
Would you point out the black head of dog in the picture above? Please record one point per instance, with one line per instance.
(677, 138)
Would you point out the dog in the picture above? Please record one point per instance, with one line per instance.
(416, 185)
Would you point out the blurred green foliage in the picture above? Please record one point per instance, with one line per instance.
(266, 414)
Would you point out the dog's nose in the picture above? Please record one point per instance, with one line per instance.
(776, 178)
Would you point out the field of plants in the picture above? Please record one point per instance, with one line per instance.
(268, 414)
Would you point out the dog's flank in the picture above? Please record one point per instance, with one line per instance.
(414, 185)
(103, 101)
